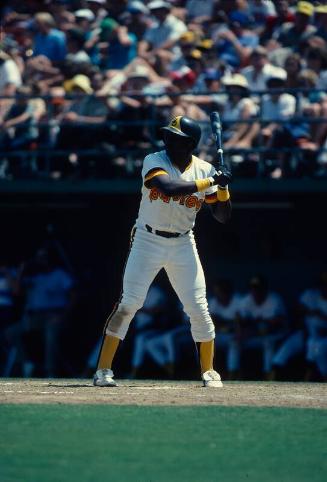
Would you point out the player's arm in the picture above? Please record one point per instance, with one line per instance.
(158, 178)
(219, 202)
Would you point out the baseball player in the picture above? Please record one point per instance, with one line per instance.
(175, 185)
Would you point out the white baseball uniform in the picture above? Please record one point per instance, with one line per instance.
(151, 252)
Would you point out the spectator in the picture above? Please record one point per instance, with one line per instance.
(258, 70)
(321, 21)
(277, 106)
(75, 47)
(136, 19)
(224, 307)
(19, 124)
(118, 44)
(48, 41)
(10, 77)
(235, 43)
(239, 106)
(49, 297)
(293, 66)
(262, 322)
(164, 34)
(292, 34)
(283, 14)
(311, 331)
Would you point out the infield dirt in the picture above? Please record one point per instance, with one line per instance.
(145, 392)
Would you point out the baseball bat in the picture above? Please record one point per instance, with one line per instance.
(216, 131)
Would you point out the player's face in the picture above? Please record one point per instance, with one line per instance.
(178, 148)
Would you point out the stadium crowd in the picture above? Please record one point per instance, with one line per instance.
(86, 84)
(37, 306)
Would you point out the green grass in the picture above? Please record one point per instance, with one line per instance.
(43, 443)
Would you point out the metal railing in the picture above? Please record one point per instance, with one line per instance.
(42, 152)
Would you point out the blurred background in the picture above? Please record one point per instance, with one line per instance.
(85, 86)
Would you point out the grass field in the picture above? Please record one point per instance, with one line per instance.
(66, 430)
(151, 444)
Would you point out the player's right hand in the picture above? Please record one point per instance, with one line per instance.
(223, 176)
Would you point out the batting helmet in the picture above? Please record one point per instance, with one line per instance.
(184, 127)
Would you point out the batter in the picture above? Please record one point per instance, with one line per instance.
(175, 185)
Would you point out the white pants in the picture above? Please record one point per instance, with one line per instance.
(179, 257)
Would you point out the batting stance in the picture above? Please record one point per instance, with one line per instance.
(175, 185)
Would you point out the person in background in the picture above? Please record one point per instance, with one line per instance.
(239, 106)
(164, 34)
(293, 66)
(49, 297)
(235, 42)
(224, 307)
(263, 323)
(277, 106)
(10, 76)
(292, 34)
(48, 41)
(119, 46)
(309, 336)
(258, 70)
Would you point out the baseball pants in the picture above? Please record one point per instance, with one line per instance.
(150, 253)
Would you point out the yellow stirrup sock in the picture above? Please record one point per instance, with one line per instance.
(206, 355)
(108, 350)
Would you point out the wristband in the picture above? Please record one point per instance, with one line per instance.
(223, 194)
(204, 184)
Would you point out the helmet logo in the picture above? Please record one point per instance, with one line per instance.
(176, 123)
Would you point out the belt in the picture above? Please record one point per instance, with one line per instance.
(164, 234)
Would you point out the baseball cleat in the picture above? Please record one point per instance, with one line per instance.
(104, 378)
(211, 379)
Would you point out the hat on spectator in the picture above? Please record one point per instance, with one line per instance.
(277, 74)
(306, 8)
(159, 4)
(140, 71)
(137, 7)
(195, 54)
(321, 9)
(85, 13)
(236, 80)
(205, 44)
(187, 38)
(81, 81)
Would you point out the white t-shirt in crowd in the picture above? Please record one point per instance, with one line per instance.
(9, 74)
(283, 109)
(272, 306)
(171, 29)
(258, 82)
(227, 312)
(235, 112)
(174, 214)
(313, 300)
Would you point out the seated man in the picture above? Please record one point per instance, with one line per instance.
(224, 306)
(262, 322)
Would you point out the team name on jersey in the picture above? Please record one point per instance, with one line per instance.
(189, 201)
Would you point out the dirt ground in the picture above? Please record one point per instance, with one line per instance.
(145, 392)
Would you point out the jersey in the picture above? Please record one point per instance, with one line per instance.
(273, 306)
(174, 214)
(313, 300)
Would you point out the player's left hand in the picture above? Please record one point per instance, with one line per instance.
(223, 176)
